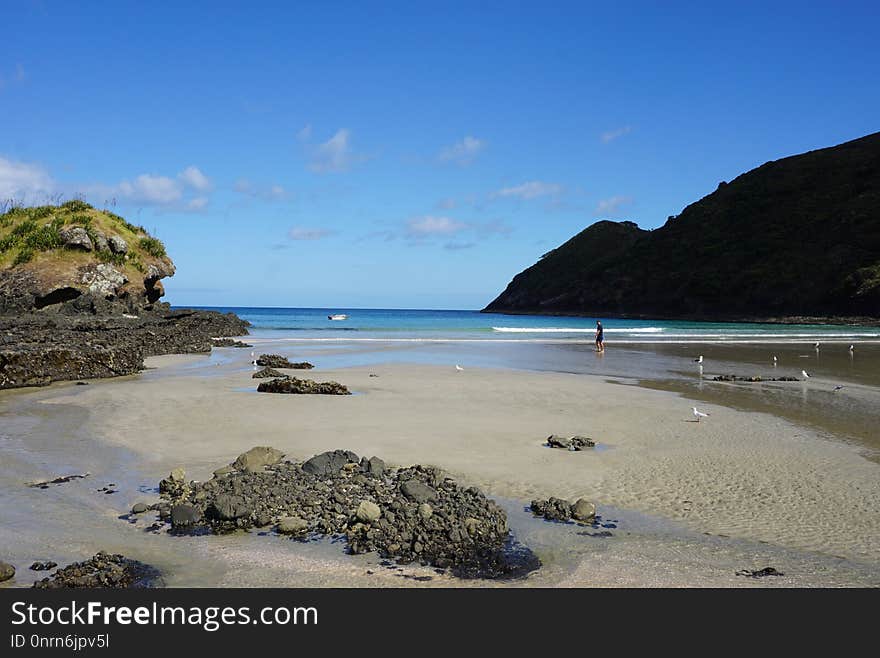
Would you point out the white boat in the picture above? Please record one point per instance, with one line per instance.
(340, 316)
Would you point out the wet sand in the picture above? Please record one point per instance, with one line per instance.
(686, 503)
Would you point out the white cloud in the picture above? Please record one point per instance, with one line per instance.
(531, 190)
(302, 233)
(199, 203)
(24, 182)
(463, 152)
(610, 135)
(195, 179)
(150, 189)
(612, 205)
(266, 193)
(422, 227)
(334, 155)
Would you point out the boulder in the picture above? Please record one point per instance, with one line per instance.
(374, 467)
(117, 244)
(555, 441)
(7, 571)
(554, 509)
(292, 525)
(583, 510)
(256, 459)
(368, 512)
(76, 237)
(100, 241)
(183, 516)
(224, 470)
(580, 442)
(266, 372)
(228, 507)
(103, 279)
(328, 463)
(139, 508)
(43, 566)
(418, 491)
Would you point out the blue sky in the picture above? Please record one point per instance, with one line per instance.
(411, 155)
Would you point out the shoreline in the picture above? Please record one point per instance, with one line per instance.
(478, 427)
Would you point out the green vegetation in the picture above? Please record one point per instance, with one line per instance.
(795, 237)
(33, 234)
(153, 247)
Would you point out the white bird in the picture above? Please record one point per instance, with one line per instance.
(699, 414)
(816, 346)
(804, 373)
(774, 361)
(699, 359)
(852, 348)
(458, 367)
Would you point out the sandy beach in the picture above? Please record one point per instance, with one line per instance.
(687, 503)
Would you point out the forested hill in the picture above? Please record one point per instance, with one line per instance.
(796, 237)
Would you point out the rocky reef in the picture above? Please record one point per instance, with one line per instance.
(293, 385)
(105, 571)
(79, 298)
(408, 514)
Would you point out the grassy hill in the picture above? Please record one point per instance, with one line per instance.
(796, 237)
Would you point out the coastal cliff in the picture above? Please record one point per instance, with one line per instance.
(794, 239)
(80, 292)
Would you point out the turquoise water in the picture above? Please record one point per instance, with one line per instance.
(433, 325)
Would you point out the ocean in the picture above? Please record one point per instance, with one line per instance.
(413, 325)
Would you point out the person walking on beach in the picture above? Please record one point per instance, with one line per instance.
(600, 337)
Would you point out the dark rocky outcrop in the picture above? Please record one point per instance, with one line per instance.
(278, 361)
(409, 514)
(794, 240)
(266, 373)
(558, 509)
(105, 571)
(229, 342)
(574, 443)
(302, 386)
(753, 379)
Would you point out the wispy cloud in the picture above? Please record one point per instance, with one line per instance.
(610, 135)
(303, 233)
(24, 182)
(150, 189)
(195, 179)
(612, 206)
(334, 155)
(463, 152)
(458, 246)
(530, 190)
(265, 192)
(429, 226)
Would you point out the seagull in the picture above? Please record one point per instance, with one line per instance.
(458, 367)
(816, 346)
(774, 361)
(699, 414)
(804, 373)
(699, 359)
(852, 348)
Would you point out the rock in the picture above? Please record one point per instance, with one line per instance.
(267, 372)
(583, 510)
(580, 442)
(100, 241)
(328, 463)
(103, 279)
(103, 571)
(425, 511)
(554, 509)
(229, 342)
(227, 507)
(76, 237)
(139, 508)
(292, 525)
(555, 441)
(178, 474)
(183, 516)
(7, 571)
(302, 386)
(258, 458)
(43, 566)
(374, 467)
(418, 491)
(759, 573)
(117, 244)
(278, 361)
(224, 470)
(368, 512)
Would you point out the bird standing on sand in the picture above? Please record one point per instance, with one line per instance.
(816, 346)
(458, 367)
(804, 373)
(699, 414)
(774, 361)
(699, 359)
(852, 348)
